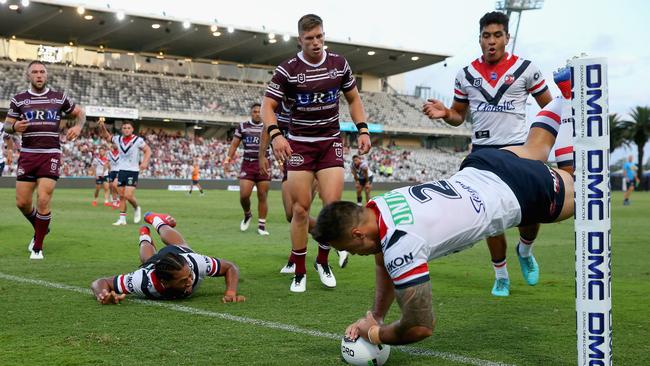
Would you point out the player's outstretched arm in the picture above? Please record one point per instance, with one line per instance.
(103, 132)
(231, 273)
(104, 291)
(454, 116)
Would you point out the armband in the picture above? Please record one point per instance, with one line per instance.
(363, 128)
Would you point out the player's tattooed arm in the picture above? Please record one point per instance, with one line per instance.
(384, 290)
(417, 321)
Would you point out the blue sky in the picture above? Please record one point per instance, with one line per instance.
(548, 37)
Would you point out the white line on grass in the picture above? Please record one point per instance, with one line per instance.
(262, 323)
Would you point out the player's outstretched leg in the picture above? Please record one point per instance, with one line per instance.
(147, 247)
(529, 266)
(164, 225)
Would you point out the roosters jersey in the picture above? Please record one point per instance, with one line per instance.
(129, 150)
(313, 92)
(497, 95)
(430, 220)
(359, 171)
(3, 136)
(99, 163)
(143, 282)
(114, 159)
(43, 112)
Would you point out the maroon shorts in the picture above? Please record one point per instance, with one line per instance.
(32, 166)
(315, 156)
(250, 170)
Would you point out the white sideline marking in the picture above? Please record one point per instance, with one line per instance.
(262, 323)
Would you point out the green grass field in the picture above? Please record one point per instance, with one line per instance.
(41, 323)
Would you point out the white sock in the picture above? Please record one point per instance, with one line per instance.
(157, 223)
(500, 269)
(122, 216)
(525, 247)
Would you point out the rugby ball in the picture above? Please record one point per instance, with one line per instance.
(363, 353)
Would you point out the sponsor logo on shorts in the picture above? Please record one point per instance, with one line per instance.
(242, 174)
(296, 160)
(21, 171)
(339, 152)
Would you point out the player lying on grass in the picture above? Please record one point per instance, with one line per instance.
(494, 190)
(175, 272)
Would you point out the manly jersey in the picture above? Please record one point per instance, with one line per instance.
(114, 159)
(313, 91)
(249, 133)
(283, 115)
(430, 220)
(44, 112)
(129, 150)
(99, 163)
(497, 98)
(143, 282)
(359, 171)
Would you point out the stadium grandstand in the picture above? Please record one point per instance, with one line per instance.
(187, 86)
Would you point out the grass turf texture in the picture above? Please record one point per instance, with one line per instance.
(534, 326)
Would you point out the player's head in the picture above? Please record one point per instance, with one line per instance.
(127, 128)
(102, 151)
(494, 36)
(174, 274)
(36, 74)
(346, 226)
(311, 37)
(255, 113)
(356, 159)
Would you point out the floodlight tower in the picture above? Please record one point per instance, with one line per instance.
(518, 6)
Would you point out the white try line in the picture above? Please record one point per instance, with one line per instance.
(257, 322)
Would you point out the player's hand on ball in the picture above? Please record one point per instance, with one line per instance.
(364, 324)
(106, 297)
(281, 148)
(364, 144)
(434, 108)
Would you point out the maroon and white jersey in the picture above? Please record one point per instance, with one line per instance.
(143, 282)
(99, 163)
(497, 95)
(44, 112)
(313, 92)
(249, 133)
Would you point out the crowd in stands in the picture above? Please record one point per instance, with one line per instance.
(165, 93)
(173, 156)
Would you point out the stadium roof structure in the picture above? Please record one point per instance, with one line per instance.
(57, 22)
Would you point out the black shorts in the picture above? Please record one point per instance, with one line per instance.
(127, 178)
(2, 166)
(538, 188)
(363, 182)
(112, 175)
(100, 180)
(477, 147)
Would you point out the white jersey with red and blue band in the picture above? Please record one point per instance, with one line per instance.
(420, 223)
(143, 282)
(497, 95)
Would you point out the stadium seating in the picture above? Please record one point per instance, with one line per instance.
(161, 93)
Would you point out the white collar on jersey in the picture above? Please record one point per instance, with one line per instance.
(302, 57)
(47, 90)
(255, 124)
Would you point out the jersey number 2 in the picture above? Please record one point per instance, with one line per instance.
(422, 192)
